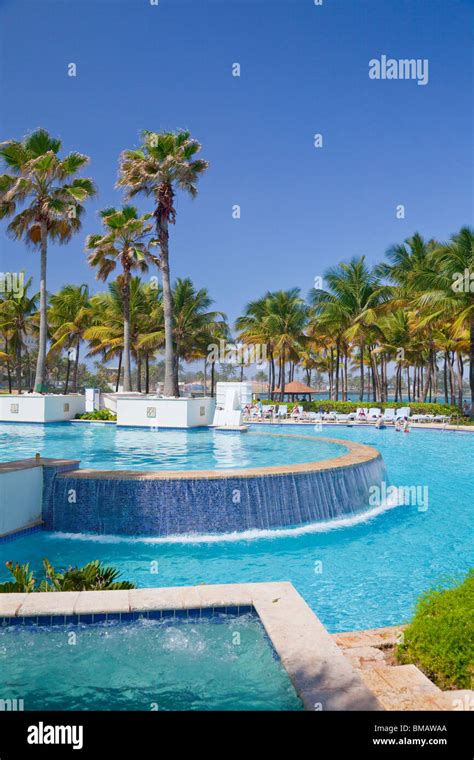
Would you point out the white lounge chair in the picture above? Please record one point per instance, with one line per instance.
(374, 414)
(389, 415)
(282, 411)
(362, 413)
(404, 411)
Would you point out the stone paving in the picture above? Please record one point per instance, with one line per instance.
(397, 687)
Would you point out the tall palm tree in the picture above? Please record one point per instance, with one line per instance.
(69, 316)
(166, 162)
(51, 196)
(127, 242)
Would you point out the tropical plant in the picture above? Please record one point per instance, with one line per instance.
(51, 196)
(94, 576)
(166, 162)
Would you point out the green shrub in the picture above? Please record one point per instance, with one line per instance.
(440, 637)
(91, 577)
(99, 414)
(345, 407)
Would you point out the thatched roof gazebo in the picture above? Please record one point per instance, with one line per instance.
(295, 388)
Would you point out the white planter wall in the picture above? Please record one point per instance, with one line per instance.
(20, 498)
(165, 413)
(37, 408)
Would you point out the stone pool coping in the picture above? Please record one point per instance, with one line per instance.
(358, 453)
(322, 676)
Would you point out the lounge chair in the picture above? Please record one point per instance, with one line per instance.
(342, 417)
(362, 414)
(404, 411)
(374, 414)
(282, 411)
(389, 415)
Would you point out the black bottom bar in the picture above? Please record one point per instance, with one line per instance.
(104, 734)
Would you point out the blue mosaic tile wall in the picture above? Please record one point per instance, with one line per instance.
(173, 507)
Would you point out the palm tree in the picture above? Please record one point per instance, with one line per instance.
(253, 330)
(194, 324)
(16, 312)
(52, 198)
(127, 242)
(348, 309)
(448, 290)
(164, 163)
(286, 322)
(69, 317)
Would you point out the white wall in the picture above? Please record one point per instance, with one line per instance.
(243, 389)
(37, 408)
(156, 412)
(20, 498)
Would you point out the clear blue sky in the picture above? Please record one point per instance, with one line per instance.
(304, 69)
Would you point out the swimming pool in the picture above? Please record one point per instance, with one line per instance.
(148, 664)
(365, 574)
(111, 448)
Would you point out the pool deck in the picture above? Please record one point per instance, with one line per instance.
(322, 676)
(398, 687)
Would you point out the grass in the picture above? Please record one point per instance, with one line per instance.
(440, 637)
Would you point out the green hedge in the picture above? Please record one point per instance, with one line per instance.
(439, 639)
(99, 414)
(344, 407)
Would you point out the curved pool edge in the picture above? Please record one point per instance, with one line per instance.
(357, 454)
(170, 503)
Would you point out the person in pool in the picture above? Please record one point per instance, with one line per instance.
(380, 424)
(405, 425)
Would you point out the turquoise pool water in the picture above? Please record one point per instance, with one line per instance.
(221, 664)
(110, 448)
(362, 575)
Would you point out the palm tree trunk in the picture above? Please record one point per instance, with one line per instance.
(170, 387)
(68, 370)
(452, 383)
(213, 364)
(337, 370)
(18, 367)
(76, 367)
(119, 373)
(408, 383)
(471, 367)
(43, 328)
(147, 372)
(282, 385)
(127, 375)
(139, 371)
(460, 378)
(445, 377)
(361, 390)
